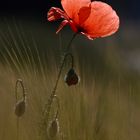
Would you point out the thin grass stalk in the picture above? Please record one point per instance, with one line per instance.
(28, 48)
(39, 59)
(21, 38)
(6, 43)
(15, 43)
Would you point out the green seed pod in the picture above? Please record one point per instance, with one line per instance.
(53, 129)
(20, 108)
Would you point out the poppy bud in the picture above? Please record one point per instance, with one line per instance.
(71, 77)
(20, 108)
(53, 129)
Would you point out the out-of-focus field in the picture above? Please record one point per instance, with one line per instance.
(105, 105)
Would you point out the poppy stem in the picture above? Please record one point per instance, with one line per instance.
(53, 94)
(72, 59)
(17, 137)
(69, 45)
(19, 81)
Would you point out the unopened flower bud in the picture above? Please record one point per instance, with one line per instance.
(71, 77)
(53, 128)
(20, 108)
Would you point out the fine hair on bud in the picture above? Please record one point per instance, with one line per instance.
(20, 108)
(53, 129)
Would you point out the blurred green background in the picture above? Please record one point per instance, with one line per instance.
(106, 103)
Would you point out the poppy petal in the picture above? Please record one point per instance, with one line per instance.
(88, 36)
(84, 13)
(55, 14)
(102, 21)
(67, 22)
(72, 7)
(63, 23)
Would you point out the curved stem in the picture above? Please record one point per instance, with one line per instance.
(71, 56)
(63, 61)
(52, 96)
(19, 81)
(58, 105)
(61, 68)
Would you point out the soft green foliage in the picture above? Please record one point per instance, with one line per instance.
(104, 106)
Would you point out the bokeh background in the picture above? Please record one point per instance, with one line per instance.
(106, 103)
(34, 13)
(126, 9)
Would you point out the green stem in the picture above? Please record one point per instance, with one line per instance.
(52, 96)
(61, 67)
(19, 81)
(17, 128)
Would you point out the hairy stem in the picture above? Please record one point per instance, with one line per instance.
(52, 96)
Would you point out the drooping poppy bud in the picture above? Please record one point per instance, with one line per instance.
(53, 129)
(20, 108)
(71, 77)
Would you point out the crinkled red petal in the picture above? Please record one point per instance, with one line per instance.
(102, 21)
(63, 23)
(56, 13)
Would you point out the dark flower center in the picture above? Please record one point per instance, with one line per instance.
(80, 29)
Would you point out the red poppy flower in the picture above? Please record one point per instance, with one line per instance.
(93, 19)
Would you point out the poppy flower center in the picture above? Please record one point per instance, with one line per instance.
(80, 29)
